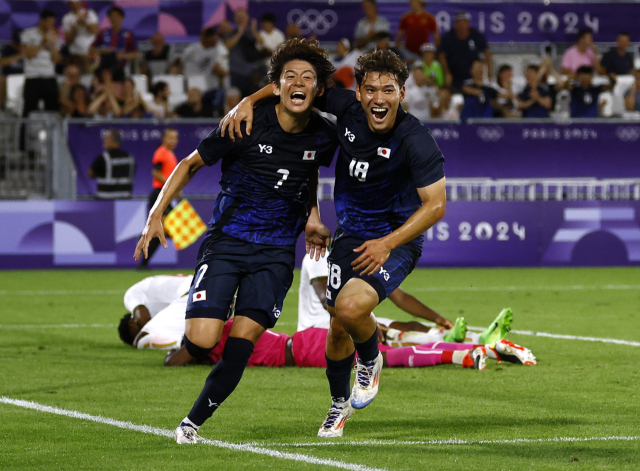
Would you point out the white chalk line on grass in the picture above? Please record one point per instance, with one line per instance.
(52, 326)
(171, 434)
(450, 441)
(422, 289)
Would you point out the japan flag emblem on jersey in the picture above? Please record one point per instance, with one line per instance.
(384, 152)
(309, 155)
(200, 296)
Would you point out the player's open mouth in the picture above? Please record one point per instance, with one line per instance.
(379, 114)
(298, 98)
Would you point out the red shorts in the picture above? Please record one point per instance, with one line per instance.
(309, 347)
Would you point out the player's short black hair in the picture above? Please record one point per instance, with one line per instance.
(303, 50)
(115, 135)
(206, 32)
(46, 13)
(585, 69)
(583, 32)
(372, 2)
(624, 33)
(116, 10)
(381, 35)
(534, 67)
(168, 130)
(384, 62)
(270, 17)
(123, 330)
(158, 87)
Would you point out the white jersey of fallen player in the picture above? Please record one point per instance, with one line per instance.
(311, 313)
(157, 292)
(166, 329)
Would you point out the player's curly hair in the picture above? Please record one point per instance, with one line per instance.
(303, 50)
(382, 61)
(123, 330)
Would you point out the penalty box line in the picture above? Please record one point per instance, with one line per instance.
(451, 441)
(257, 449)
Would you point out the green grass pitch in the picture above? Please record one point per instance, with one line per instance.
(578, 389)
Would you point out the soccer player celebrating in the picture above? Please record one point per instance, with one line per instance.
(390, 188)
(268, 193)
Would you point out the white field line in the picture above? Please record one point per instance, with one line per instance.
(170, 434)
(294, 290)
(567, 337)
(52, 326)
(450, 441)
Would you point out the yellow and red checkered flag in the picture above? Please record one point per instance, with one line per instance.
(183, 225)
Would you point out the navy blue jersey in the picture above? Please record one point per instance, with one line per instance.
(377, 174)
(536, 110)
(584, 101)
(265, 176)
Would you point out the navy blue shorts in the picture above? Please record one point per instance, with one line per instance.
(401, 262)
(261, 275)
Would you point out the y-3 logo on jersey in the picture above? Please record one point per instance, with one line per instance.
(349, 135)
(265, 148)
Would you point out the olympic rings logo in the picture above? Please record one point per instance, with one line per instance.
(628, 133)
(313, 21)
(490, 133)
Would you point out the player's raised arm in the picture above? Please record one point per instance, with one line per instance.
(180, 176)
(376, 252)
(243, 111)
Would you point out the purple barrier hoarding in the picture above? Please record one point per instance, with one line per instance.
(330, 20)
(511, 150)
(66, 234)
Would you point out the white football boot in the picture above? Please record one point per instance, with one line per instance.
(509, 351)
(333, 425)
(186, 434)
(365, 386)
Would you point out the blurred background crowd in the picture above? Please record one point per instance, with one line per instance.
(69, 65)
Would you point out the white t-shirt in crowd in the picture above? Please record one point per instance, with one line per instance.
(83, 39)
(157, 292)
(273, 39)
(311, 313)
(419, 100)
(196, 60)
(41, 65)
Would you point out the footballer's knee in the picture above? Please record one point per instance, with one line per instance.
(352, 309)
(197, 351)
(337, 334)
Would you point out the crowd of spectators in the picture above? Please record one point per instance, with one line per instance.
(87, 72)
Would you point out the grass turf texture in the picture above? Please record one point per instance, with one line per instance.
(578, 388)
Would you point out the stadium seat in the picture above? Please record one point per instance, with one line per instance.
(623, 83)
(158, 67)
(176, 99)
(197, 81)
(141, 81)
(175, 82)
(15, 85)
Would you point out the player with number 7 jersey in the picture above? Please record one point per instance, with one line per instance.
(390, 188)
(268, 197)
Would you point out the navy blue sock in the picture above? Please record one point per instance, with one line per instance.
(339, 376)
(368, 350)
(222, 380)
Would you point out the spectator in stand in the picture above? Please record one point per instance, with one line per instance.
(78, 104)
(382, 42)
(115, 45)
(105, 105)
(271, 36)
(419, 98)
(245, 61)
(114, 169)
(103, 80)
(444, 108)
(617, 60)
(479, 99)
(292, 31)
(535, 100)
(632, 96)
(209, 58)
(11, 63)
(431, 68)
(41, 52)
(157, 58)
(232, 99)
(371, 24)
(164, 162)
(132, 104)
(507, 101)
(585, 97)
(80, 27)
(460, 48)
(71, 78)
(583, 53)
(159, 104)
(416, 28)
(194, 107)
(343, 47)
(176, 67)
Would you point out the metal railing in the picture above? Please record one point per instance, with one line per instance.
(544, 189)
